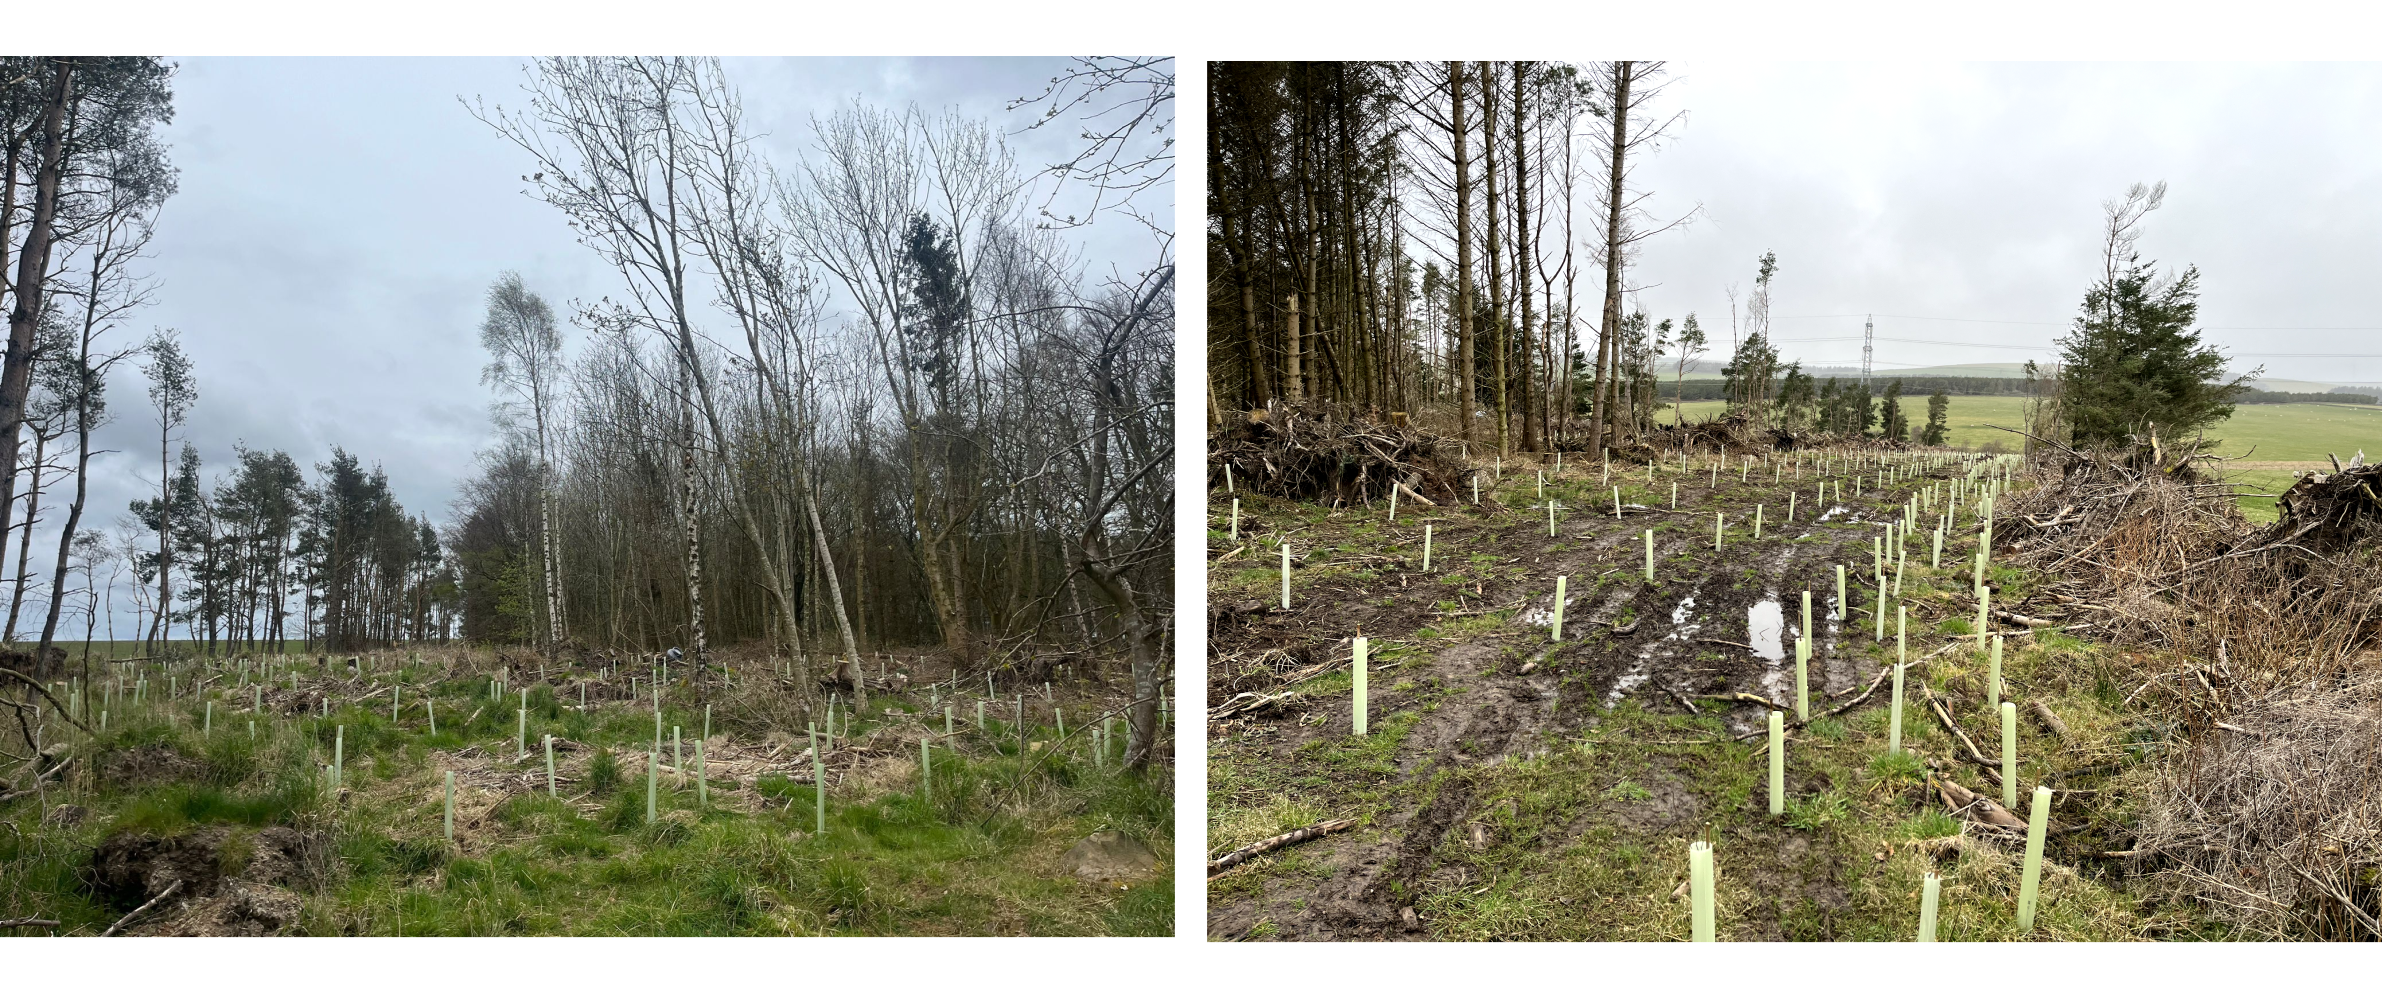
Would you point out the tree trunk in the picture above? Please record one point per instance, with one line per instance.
(165, 532)
(1606, 337)
(835, 590)
(1466, 393)
(694, 534)
(1292, 384)
(16, 598)
(1488, 155)
(33, 265)
(1521, 175)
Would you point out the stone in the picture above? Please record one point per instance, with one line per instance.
(1108, 855)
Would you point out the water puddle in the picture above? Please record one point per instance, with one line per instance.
(1766, 624)
(1832, 512)
(1643, 668)
(1765, 628)
(1545, 617)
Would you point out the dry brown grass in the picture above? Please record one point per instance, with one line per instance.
(2278, 826)
(2267, 804)
(2174, 566)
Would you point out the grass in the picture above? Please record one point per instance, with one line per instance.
(1562, 843)
(980, 857)
(1581, 833)
(2275, 438)
(2282, 432)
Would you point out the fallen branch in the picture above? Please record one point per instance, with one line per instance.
(1755, 699)
(1298, 836)
(51, 698)
(38, 779)
(144, 908)
(27, 922)
(1958, 800)
(1847, 706)
(2346, 903)
(2049, 720)
(1250, 702)
(1483, 611)
(1945, 717)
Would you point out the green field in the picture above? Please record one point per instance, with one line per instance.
(2286, 432)
(2273, 442)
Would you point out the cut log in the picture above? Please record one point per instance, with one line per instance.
(1981, 808)
(2050, 721)
(1298, 836)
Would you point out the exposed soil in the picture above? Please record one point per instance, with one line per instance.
(1487, 696)
(148, 765)
(224, 881)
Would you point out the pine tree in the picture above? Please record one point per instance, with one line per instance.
(1937, 430)
(2133, 364)
(1895, 423)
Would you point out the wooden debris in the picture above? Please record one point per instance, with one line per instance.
(1755, 699)
(1251, 703)
(1983, 809)
(127, 919)
(1314, 454)
(2050, 721)
(1298, 836)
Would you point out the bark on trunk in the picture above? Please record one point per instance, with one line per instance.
(33, 264)
(1613, 247)
(1467, 393)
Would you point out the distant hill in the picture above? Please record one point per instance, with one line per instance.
(2295, 385)
(1710, 369)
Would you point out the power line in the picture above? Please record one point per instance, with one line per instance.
(2045, 347)
(2035, 322)
(1932, 319)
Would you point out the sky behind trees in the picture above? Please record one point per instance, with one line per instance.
(339, 222)
(1972, 192)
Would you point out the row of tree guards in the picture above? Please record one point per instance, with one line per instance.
(132, 687)
(1701, 877)
(1980, 480)
(1987, 477)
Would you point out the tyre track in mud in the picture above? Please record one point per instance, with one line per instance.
(1533, 700)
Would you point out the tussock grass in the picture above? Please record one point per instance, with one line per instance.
(979, 857)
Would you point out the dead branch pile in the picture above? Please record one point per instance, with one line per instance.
(2270, 811)
(1308, 454)
(1731, 432)
(2322, 513)
(2277, 822)
(2170, 564)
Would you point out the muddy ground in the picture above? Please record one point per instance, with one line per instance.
(1517, 786)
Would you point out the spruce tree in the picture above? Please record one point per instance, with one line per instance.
(2133, 364)
(1895, 423)
(1937, 430)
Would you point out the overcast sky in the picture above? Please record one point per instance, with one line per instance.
(1931, 194)
(339, 222)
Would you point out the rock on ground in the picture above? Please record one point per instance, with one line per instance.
(1108, 854)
